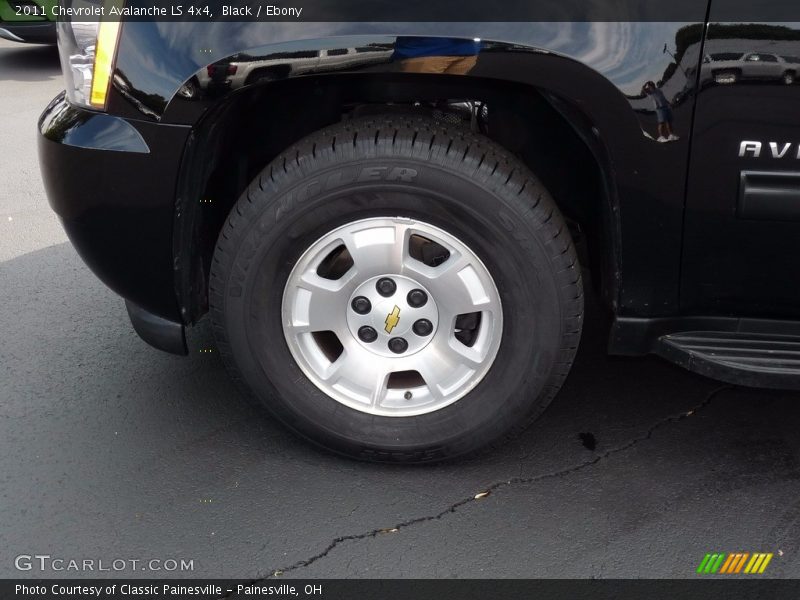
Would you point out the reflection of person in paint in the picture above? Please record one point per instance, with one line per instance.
(436, 55)
(663, 112)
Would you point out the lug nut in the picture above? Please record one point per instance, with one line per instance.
(386, 287)
(361, 305)
(422, 327)
(416, 298)
(367, 334)
(398, 345)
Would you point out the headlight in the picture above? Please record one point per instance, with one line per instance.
(87, 50)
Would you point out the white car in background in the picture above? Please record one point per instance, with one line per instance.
(243, 69)
(732, 67)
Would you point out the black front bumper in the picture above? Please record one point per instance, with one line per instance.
(112, 182)
(32, 33)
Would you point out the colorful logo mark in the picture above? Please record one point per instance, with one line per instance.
(721, 563)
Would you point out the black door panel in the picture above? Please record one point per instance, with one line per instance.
(742, 234)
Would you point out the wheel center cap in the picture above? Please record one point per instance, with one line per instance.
(392, 320)
(398, 318)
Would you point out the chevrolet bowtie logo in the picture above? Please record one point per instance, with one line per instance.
(392, 319)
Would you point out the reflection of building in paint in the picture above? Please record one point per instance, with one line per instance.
(453, 56)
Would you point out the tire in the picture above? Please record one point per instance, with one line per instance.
(788, 77)
(408, 172)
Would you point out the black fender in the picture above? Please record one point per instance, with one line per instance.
(593, 73)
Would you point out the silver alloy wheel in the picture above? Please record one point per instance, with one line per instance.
(392, 316)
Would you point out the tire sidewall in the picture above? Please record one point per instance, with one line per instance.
(272, 235)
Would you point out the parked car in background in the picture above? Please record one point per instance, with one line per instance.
(730, 67)
(28, 21)
(240, 70)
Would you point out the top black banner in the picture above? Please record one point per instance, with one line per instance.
(266, 11)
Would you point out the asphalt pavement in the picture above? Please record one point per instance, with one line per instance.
(111, 450)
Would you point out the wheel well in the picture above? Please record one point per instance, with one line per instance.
(236, 140)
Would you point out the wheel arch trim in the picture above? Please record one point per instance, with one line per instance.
(639, 172)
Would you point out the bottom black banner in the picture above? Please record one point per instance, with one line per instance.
(401, 589)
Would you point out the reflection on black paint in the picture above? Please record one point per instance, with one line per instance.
(243, 69)
(660, 97)
(82, 129)
(748, 53)
(149, 104)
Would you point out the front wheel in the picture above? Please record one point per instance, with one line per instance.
(399, 290)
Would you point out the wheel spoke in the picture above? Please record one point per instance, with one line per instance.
(376, 250)
(333, 372)
(356, 369)
(429, 375)
(444, 365)
(380, 387)
(464, 355)
(459, 285)
(319, 303)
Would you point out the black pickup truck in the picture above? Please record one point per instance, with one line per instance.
(390, 223)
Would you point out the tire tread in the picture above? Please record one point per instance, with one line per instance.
(448, 146)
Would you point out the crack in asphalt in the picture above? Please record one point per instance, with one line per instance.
(494, 487)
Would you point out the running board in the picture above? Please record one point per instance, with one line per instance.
(767, 360)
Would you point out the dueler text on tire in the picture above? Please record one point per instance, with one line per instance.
(397, 289)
